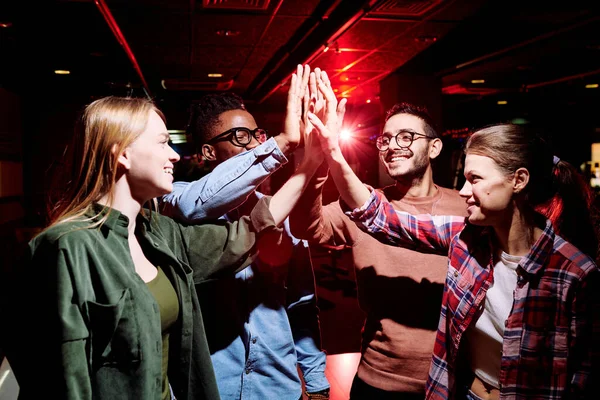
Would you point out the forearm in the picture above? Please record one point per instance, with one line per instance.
(352, 191)
(227, 186)
(287, 197)
(307, 212)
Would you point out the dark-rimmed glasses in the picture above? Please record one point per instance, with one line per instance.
(240, 137)
(404, 139)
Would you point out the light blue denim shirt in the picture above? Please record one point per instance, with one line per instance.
(226, 187)
(263, 323)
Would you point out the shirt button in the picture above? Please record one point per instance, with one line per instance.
(156, 244)
(456, 274)
(248, 370)
(254, 340)
(506, 322)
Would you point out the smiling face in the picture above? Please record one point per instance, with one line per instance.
(224, 150)
(149, 161)
(411, 163)
(488, 191)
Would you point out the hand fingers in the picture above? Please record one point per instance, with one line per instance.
(318, 74)
(292, 93)
(341, 111)
(313, 85)
(325, 78)
(299, 71)
(304, 83)
(305, 104)
(330, 98)
(317, 123)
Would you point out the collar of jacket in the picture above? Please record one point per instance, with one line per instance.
(117, 221)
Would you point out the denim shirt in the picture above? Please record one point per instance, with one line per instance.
(226, 187)
(263, 323)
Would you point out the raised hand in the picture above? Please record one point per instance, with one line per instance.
(316, 96)
(292, 135)
(332, 116)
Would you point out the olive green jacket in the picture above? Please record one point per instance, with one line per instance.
(79, 323)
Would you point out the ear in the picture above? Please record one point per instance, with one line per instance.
(520, 179)
(435, 147)
(208, 152)
(123, 159)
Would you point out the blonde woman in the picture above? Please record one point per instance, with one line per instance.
(105, 307)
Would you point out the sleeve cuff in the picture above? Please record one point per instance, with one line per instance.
(316, 382)
(366, 209)
(277, 158)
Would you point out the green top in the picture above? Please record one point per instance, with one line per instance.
(168, 306)
(84, 325)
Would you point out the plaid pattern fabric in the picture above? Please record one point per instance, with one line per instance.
(551, 339)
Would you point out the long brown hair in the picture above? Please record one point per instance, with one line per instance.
(107, 127)
(555, 189)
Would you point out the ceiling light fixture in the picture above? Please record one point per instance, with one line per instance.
(591, 86)
(215, 75)
(502, 102)
(5, 24)
(326, 48)
(478, 81)
(62, 72)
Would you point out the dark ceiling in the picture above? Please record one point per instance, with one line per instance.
(170, 49)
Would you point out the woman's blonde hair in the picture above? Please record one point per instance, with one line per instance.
(108, 126)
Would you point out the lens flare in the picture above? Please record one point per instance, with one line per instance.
(345, 134)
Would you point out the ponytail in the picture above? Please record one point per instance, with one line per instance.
(571, 210)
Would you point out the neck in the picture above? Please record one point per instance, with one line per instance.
(124, 202)
(515, 235)
(422, 186)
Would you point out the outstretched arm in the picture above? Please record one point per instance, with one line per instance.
(232, 181)
(226, 187)
(379, 218)
(351, 189)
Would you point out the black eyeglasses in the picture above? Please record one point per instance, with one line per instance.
(404, 139)
(240, 137)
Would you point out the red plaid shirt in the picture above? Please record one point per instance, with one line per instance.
(551, 338)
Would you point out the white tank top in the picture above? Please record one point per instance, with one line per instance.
(484, 339)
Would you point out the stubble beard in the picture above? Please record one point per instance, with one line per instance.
(414, 176)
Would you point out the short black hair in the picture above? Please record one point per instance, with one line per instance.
(204, 114)
(419, 112)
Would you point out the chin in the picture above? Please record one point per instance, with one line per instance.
(478, 220)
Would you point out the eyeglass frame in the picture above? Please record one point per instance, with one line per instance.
(229, 135)
(412, 139)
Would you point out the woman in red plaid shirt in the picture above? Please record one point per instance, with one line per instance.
(520, 312)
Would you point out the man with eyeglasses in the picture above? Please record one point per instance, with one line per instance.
(399, 290)
(263, 323)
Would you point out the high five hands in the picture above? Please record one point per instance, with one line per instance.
(328, 119)
(311, 101)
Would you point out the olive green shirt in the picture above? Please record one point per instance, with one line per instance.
(79, 322)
